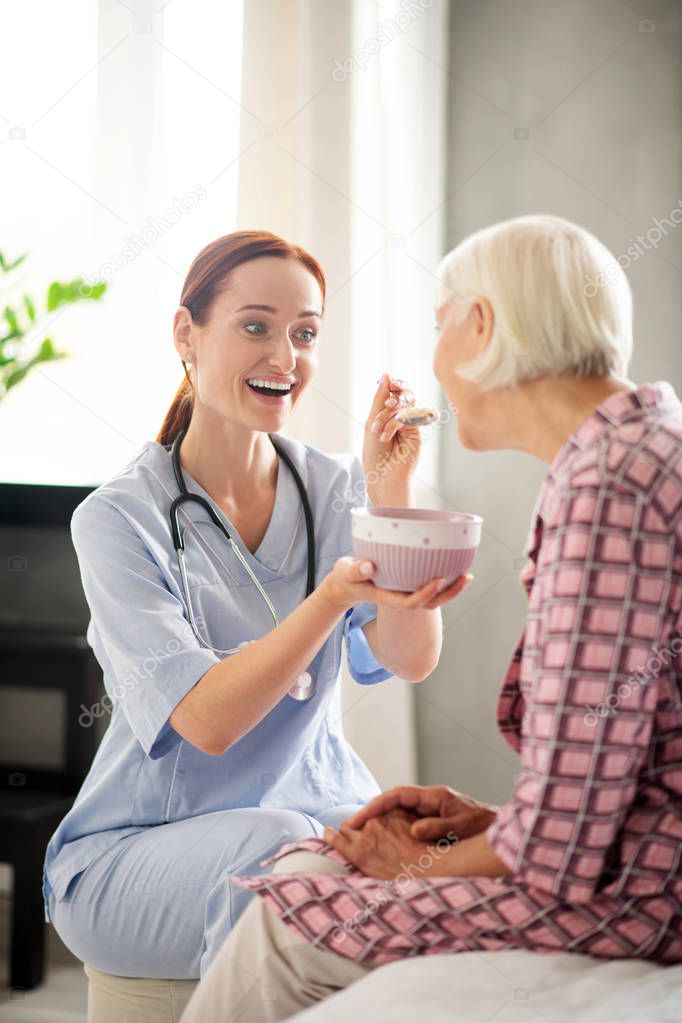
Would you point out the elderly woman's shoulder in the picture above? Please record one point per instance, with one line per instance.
(637, 463)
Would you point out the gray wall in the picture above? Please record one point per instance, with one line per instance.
(574, 109)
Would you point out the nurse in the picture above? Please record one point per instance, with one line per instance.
(211, 760)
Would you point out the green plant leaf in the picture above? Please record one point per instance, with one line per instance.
(97, 290)
(47, 352)
(17, 376)
(66, 293)
(6, 267)
(12, 321)
(11, 336)
(53, 296)
(30, 309)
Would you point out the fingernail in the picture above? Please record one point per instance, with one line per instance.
(441, 585)
(384, 436)
(391, 402)
(376, 426)
(366, 568)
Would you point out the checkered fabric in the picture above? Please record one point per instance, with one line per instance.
(592, 701)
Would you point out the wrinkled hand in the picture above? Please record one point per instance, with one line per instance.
(385, 847)
(437, 812)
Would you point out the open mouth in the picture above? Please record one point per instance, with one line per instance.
(269, 388)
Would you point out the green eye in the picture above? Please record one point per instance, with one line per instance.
(260, 328)
(310, 335)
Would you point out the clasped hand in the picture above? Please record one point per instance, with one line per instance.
(399, 828)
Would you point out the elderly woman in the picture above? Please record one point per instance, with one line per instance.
(585, 856)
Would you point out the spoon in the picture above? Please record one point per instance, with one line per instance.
(412, 416)
(409, 413)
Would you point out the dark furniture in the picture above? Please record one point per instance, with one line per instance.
(47, 671)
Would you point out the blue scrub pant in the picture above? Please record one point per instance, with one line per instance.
(160, 904)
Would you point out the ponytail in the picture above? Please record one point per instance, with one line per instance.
(179, 414)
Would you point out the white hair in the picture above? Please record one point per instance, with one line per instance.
(561, 301)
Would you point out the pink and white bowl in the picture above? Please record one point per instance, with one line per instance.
(411, 546)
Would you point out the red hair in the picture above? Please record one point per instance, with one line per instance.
(209, 271)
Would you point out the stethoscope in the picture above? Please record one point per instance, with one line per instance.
(305, 685)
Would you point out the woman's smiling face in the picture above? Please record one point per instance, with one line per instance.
(262, 329)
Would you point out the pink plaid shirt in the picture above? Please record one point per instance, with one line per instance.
(592, 701)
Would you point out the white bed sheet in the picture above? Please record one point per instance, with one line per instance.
(508, 987)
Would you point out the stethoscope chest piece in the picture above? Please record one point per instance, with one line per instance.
(304, 686)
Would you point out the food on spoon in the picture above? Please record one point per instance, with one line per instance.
(412, 416)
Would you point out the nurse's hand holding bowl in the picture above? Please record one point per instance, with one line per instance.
(208, 765)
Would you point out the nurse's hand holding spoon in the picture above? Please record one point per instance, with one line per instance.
(391, 447)
(406, 639)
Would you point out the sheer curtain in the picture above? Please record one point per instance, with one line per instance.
(119, 138)
(152, 128)
(342, 151)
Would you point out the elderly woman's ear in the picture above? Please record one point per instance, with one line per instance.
(466, 330)
(482, 315)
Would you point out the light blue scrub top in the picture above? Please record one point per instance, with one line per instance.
(144, 773)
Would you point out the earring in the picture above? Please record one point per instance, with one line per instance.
(189, 357)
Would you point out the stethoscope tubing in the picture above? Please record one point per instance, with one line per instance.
(178, 539)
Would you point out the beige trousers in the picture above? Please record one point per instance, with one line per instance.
(135, 999)
(264, 972)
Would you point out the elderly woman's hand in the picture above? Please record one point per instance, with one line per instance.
(437, 811)
(385, 847)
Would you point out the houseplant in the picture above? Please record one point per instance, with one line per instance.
(24, 338)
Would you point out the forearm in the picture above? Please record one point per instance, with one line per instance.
(470, 857)
(408, 643)
(237, 693)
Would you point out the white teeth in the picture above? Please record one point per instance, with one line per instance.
(269, 383)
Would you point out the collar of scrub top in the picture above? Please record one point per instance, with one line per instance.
(305, 686)
(178, 541)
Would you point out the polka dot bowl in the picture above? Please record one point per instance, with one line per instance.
(411, 546)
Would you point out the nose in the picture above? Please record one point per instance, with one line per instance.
(282, 355)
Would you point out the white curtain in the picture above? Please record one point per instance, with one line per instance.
(155, 127)
(119, 144)
(342, 143)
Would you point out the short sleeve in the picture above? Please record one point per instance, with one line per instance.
(362, 663)
(594, 617)
(138, 629)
